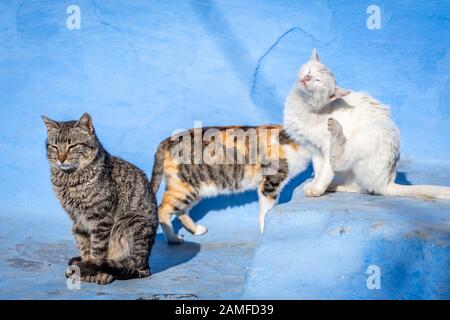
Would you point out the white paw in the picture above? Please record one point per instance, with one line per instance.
(312, 190)
(201, 230)
(176, 240)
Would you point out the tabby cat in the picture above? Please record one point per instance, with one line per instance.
(109, 200)
(194, 166)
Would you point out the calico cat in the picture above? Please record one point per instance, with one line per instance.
(190, 178)
(354, 143)
(109, 200)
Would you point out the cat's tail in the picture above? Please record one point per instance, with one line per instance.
(420, 191)
(158, 167)
(122, 269)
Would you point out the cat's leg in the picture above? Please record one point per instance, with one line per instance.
(322, 178)
(317, 162)
(100, 234)
(131, 241)
(269, 190)
(266, 202)
(99, 242)
(177, 199)
(337, 144)
(194, 228)
(83, 240)
(165, 212)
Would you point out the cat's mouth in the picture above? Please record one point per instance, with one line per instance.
(65, 166)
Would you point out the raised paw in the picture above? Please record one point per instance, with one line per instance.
(335, 127)
(312, 190)
(176, 240)
(201, 230)
(74, 260)
(104, 278)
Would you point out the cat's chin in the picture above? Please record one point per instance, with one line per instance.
(66, 168)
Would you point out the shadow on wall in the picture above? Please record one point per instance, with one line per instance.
(237, 55)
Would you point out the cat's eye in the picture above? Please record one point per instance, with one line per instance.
(317, 80)
(53, 146)
(72, 146)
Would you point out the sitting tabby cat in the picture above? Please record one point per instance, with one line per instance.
(187, 183)
(109, 200)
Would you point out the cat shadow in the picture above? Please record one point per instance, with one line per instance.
(165, 256)
(288, 190)
(217, 203)
(402, 178)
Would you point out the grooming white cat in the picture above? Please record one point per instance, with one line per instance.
(353, 141)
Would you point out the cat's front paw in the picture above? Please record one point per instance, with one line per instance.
(178, 239)
(104, 278)
(201, 230)
(312, 190)
(74, 260)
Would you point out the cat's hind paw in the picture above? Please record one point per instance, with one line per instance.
(335, 127)
(201, 230)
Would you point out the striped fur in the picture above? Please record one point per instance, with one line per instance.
(187, 183)
(109, 200)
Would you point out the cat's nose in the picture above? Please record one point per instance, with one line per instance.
(305, 79)
(62, 157)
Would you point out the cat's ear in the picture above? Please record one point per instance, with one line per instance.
(314, 55)
(85, 123)
(49, 123)
(339, 93)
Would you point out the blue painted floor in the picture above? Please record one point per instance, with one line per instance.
(143, 69)
(35, 250)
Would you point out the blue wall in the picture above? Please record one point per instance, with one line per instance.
(145, 68)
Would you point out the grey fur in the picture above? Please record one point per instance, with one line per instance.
(109, 200)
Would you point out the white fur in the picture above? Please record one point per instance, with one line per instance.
(265, 204)
(201, 230)
(369, 161)
(209, 190)
(298, 159)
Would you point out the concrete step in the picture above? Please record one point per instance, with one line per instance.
(352, 246)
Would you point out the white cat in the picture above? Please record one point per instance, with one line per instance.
(353, 141)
